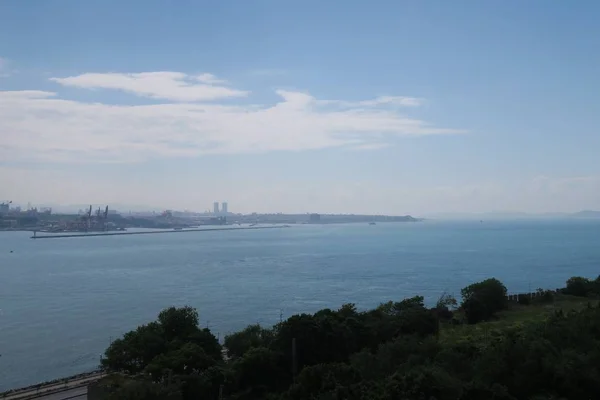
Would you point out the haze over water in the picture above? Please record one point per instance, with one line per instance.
(62, 300)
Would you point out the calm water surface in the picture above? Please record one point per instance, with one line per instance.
(62, 300)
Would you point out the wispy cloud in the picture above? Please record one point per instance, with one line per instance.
(398, 101)
(40, 125)
(175, 86)
(210, 79)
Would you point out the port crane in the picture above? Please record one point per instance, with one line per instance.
(100, 217)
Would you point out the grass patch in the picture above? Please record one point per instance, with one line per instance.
(516, 315)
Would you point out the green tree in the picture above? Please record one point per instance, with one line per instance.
(426, 382)
(578, 286)
(320, 380)
(205, 384)
(178, 322)
(260, 371)
(174, 342)
(238, 343)
(133, 352)
(482, 300)
(189, 358)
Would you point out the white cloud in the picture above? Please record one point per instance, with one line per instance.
(210, 79)
(38, 125)
(398, 101)
(175, 86)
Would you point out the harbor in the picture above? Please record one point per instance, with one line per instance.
(73, 235)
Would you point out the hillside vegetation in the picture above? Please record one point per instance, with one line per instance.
(545, 346)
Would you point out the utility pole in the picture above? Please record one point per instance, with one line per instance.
(280, 315)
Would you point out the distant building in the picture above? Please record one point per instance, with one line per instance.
(216, 207)
(4, 207)
(224, 207)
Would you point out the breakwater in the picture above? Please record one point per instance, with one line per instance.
(72, 235)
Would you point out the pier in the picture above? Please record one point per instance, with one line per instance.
(74, 235)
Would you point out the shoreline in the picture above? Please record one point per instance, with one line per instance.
(73, 235)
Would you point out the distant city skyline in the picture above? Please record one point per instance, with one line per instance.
(333, 107)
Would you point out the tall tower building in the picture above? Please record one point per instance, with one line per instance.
(224, 207)
(216, 207)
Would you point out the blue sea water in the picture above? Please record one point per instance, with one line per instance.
(61, 300)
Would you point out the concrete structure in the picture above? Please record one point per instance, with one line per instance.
(224, 208)
(216, 207)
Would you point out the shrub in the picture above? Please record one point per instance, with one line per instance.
(578, 286)
(545, 296)
(523, 299)
(482, 300)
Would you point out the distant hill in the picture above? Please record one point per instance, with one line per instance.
(508, 215)
(586, 214)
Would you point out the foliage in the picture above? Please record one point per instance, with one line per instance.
(260, 370)
(322, 379)
(398, 350)
(172, 345)
(524, 299)
(545, 296)
(445, 306)
(117, 387)
(237, 344)
(482, 300)
(578, 286)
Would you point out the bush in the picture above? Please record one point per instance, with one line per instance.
(578, 286)
(482, 300)
(238, 343)
(523, 299)
(545, 296)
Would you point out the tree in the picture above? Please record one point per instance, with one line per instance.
(259, 371)
(384, 353)
(318, 380)
(482, 300)
(133, 352)
(445, 306)
(446, 301)
(174, 342)
(189, 358)
(178, 322)
(426, 382)
(238, 343)
(206, 384)
(578, 286)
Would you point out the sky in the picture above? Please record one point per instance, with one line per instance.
(382, 107)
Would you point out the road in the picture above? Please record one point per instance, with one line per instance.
(73, 389)
(79, 393)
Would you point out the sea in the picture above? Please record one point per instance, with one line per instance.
(62, 301)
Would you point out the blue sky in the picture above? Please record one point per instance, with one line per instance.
(382, 107)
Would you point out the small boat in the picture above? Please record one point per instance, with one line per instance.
(372, 223)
